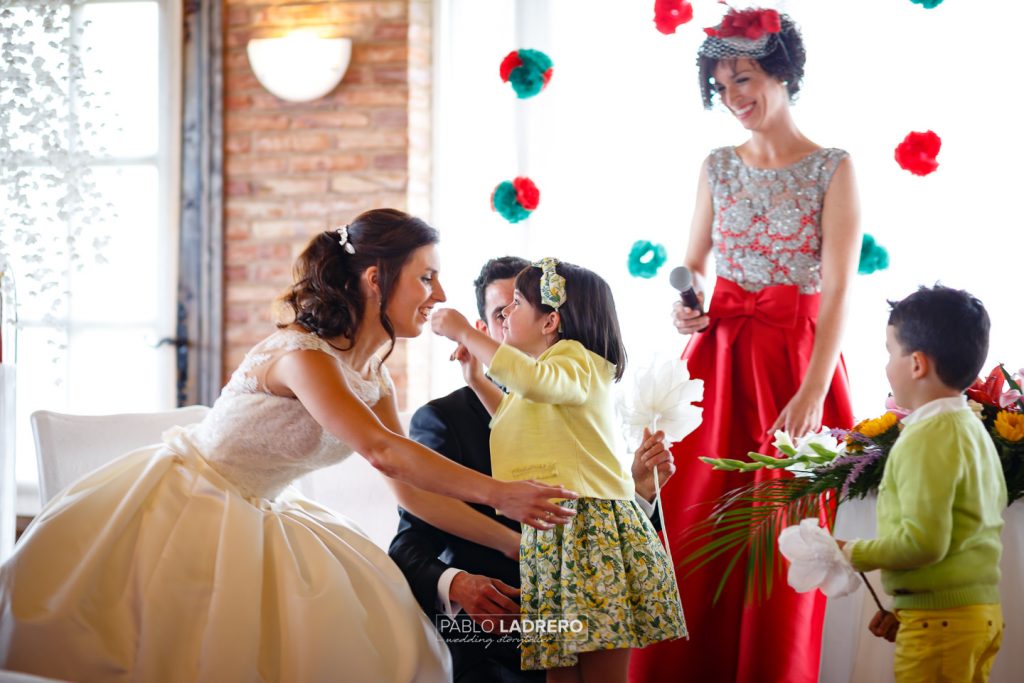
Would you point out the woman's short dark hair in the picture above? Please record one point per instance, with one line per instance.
(949, 326)
(326, 298)
(588, 313)
(785, 63)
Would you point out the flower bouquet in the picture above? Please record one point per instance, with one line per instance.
(830, 467)
(998, 402)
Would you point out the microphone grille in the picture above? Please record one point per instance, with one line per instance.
(681, 278)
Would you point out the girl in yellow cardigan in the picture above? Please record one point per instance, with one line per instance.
(602, 584)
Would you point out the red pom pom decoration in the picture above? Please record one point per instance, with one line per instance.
(527, 193)
(750, 24)
(917, 152)
(511, 61)
(670, 14)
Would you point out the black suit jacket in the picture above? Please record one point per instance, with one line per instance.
(456, 426)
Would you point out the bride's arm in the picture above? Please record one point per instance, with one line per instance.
(446, 513)
(314, 378)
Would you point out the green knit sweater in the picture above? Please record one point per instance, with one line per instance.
(939, 508)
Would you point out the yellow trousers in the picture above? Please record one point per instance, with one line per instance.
(957, 645)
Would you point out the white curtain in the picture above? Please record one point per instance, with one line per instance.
(7, 486)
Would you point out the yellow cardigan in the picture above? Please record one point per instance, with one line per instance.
(556, 424)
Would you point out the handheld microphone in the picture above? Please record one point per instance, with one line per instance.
(682, 280)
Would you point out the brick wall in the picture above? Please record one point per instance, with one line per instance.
(292, 169)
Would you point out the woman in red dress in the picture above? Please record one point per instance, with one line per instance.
(780, 214)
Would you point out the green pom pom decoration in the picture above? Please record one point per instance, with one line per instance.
(505, 203)
(873, 256)
(927, 4)
(645, 258)
(532, 75)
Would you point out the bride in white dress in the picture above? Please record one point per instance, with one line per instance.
(193, 561)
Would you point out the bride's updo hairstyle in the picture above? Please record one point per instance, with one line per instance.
(326, 299)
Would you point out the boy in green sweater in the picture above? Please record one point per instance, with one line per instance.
(941, 498)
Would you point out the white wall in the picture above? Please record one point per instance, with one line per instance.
(616, 140)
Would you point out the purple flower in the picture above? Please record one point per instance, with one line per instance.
(860, 463)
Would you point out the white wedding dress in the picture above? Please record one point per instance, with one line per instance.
(193, 561)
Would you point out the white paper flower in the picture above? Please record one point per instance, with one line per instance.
(662, 397)
(816, 560)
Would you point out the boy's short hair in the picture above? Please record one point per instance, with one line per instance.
(502, 268)
(948, 325)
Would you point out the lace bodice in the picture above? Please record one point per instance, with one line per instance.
(262, 442)
(766, 228)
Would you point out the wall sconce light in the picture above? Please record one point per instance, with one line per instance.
(300, 66)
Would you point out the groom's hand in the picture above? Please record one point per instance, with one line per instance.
(487, 601)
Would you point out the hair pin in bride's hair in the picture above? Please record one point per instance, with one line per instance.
(343, 239)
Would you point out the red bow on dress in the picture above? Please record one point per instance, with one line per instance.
(778, 305)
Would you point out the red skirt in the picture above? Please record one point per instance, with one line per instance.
(752, 358)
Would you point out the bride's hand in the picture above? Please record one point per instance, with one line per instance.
(529, 502)
(511, 549)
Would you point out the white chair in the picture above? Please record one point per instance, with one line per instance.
(69, 446)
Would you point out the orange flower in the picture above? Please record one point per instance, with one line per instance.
(1010, 426)
(877, 426)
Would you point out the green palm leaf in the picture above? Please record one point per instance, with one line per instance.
(745, 523)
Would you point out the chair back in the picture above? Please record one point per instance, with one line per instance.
(70, 446)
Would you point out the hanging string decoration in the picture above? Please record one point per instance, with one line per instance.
(515, 199)
(528, 71)
(918, 151)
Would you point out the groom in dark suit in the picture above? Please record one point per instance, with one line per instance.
(460, 582)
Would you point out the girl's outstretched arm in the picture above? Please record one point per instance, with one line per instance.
(474, 345)
(484, 388)
(448, 322)
(317, 381)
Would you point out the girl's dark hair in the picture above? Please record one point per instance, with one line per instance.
(785, 63)
(326, 298)
(588, 313)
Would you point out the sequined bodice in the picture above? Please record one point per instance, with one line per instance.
(766, 228)
(262, 442)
